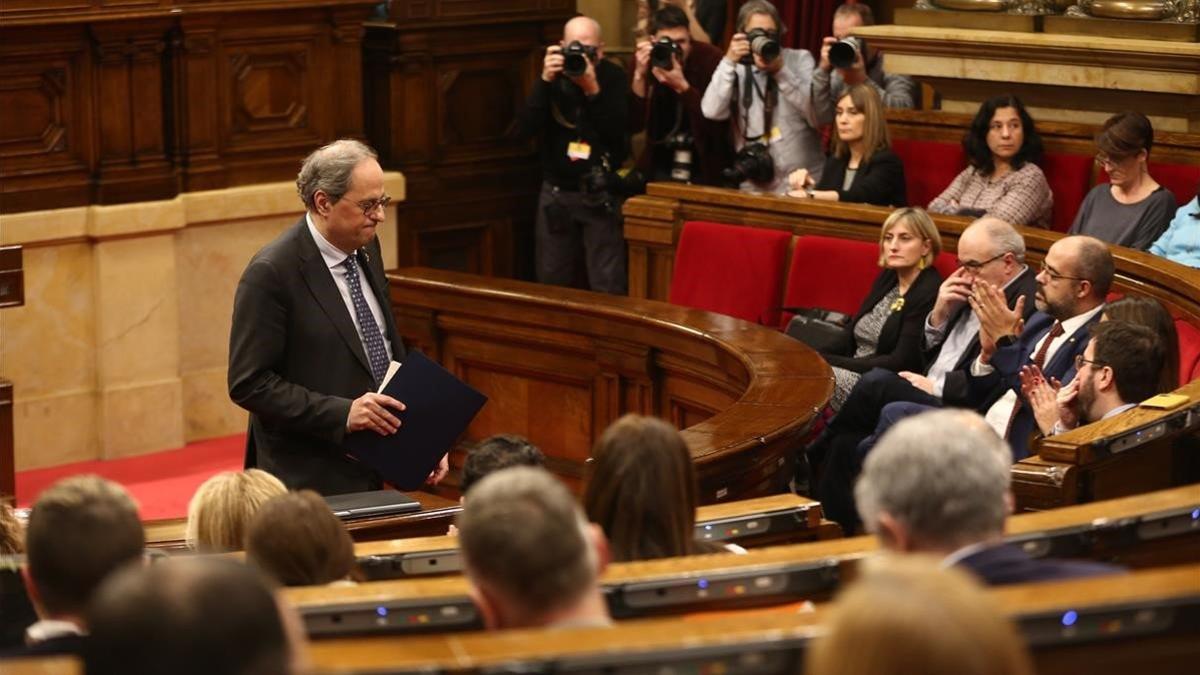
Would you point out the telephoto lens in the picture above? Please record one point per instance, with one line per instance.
(844, 52)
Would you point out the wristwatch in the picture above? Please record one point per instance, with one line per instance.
(1005, 341)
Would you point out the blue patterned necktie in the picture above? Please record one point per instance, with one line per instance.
(371, 337)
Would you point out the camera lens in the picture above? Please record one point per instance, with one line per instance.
(843, 53)
(662, 54)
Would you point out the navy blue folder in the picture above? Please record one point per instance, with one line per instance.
(438, 408)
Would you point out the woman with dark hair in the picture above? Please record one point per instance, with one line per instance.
(298, 540)
(641, 490)
(862, 167)
(1181, 241)
(1148, 312)
(1003, 180)
(1131, 209)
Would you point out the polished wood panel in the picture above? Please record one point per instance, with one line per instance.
(109, 103)
(559, 365)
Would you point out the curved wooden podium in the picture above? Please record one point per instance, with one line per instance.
(559, 365)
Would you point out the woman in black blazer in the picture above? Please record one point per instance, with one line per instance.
(862, 167)
(889, 327)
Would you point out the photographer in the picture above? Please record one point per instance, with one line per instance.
(766, 91)
(579, 107)
(853, 62)
(670, 73)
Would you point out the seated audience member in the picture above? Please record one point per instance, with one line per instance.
(830, 83)
(296, 539)
(641, 490)
(990, 251)
(495, 453)
(1072, 285)
(1118, 370)
(886, 332)
(1181, 241)
(1149, 312)
(188, 617)
(224, 504)
(862, 167)
(80, 531)
(776, 129)
(906, 615)
(938, 483)
(1131, 209)
(1003, 180)
(530, 555)
(665, 102)
(12, 534)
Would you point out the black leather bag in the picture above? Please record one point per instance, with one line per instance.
(822, 329)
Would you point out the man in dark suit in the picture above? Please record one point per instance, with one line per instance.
(939, 484)
(313, 332)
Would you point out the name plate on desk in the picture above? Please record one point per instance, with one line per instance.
(12, 277)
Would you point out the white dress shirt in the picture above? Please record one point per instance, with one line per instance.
(334, 257)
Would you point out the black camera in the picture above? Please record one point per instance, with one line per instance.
(764, 43)
(753, 163)
(844, 52)
(576, 57)
(682, 155)
(664, 52)
(601, 185)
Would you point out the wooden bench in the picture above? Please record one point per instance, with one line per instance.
(1157, 529)
(1150, 622)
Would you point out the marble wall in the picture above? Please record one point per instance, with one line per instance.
(122, 344)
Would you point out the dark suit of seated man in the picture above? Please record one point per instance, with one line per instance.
(989, 250)
(1074, 280)
(939, 483)
(313, 333)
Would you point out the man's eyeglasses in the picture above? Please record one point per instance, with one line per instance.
(1079, 361)
(1054, 275)
(973, 266)
(368, 207)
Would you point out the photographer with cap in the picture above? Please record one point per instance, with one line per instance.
(847, 61)
(579, 107)
(766, 92)
(670, 74)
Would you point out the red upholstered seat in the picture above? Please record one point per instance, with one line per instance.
(946, 263)
(730, 269)
(1070, 178)
(830, 273)
(1189, 351)
(929, 167)
(1181, 179)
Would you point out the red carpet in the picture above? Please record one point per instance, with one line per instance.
(162, 482)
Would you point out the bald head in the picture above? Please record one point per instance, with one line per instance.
(583, 29)
(992, 250)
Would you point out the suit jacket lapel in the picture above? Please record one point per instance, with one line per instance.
(320, 283)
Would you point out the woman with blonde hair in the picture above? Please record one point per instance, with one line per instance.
(906, 615)
(223, 506)
(862, 167)
(889, 326)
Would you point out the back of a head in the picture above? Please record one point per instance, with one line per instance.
(523, 537)
(498, 452)
(943, 474)
(905, 615)
(1148, 312)
(194, 616)
(80, 530)
(641, 490)
(297, 539)
(223, 506)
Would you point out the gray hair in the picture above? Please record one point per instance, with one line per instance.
(759, 7)
(524, 535)
(944, 474)
(1003, 236)
(329, 168)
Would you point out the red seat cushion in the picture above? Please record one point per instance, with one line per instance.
(1181, 179)
(1189, 351)
(929, 167)
(830, 273)
(730, 269)
(1070, 178)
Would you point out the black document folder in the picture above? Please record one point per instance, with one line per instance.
(438, 408)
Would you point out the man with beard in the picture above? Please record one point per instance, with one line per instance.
(1072, 285)
(1116, 371)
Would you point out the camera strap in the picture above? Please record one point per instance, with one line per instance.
(769, 97)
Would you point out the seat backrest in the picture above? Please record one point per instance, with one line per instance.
(1189, 351)
(730, 269)
(831, 273)
(1070, 178)
(946, 262)
(929, 167)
